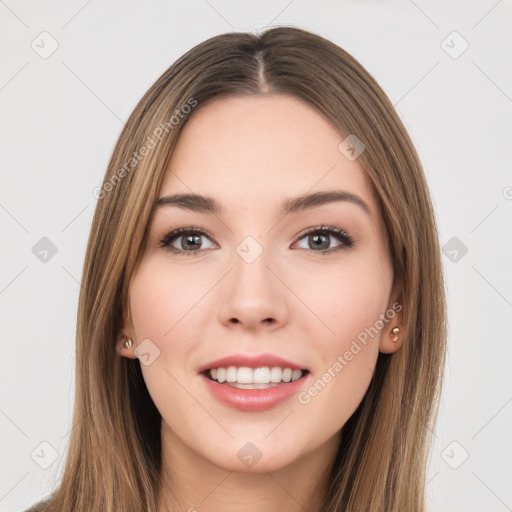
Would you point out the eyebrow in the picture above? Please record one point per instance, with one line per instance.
(205, 204)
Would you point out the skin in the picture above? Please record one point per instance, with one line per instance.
(250, 153)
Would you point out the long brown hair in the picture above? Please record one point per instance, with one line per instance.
(114, 455)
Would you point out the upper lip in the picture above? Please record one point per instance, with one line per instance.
(251, 361)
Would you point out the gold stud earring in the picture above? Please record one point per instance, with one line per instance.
(395, 332)
(128, 343)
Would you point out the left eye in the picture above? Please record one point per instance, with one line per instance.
(318, 239)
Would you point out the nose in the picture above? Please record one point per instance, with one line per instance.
(253, 296)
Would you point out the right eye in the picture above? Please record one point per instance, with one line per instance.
(189, 241)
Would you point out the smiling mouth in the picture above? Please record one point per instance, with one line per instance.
(244, 377)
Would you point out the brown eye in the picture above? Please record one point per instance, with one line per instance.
(190, 242)
(319, 239)
(184, 241)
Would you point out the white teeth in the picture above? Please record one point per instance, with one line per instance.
(231, 374)
(244, 375)
(251, 386)
(263, 375)
(276, 375)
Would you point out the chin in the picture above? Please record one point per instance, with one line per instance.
(256, 456)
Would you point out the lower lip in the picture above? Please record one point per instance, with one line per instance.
(254, 399)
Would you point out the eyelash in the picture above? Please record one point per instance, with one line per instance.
(342, 236)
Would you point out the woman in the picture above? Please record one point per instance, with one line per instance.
(261, 323)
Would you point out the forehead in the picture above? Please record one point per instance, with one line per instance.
(253, 150)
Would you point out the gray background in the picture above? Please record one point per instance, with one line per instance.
(62, 113)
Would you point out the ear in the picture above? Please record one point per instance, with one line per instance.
(391, 339)
(126, 335)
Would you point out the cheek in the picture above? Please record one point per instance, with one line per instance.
(166, 309)
(350, 301)
(345, 297)
(164, 301)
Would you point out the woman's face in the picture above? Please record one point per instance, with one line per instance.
(260, 282)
